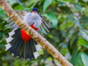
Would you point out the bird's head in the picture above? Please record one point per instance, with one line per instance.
(34, 12)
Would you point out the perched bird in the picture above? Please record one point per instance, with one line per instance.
(20, 43)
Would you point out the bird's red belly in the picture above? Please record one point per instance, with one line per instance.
(26, 37)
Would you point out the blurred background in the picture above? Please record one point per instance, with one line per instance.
(68, 32)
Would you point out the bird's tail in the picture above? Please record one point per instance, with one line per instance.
(17, 46)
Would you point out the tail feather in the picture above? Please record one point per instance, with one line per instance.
(8, 46)
(30, 51)
(9, 39)
(20, 48)
(15, 40)
(18, 30)
(26, 50)
(16, 52)
(11, 33)
(14, 47)
(21, 53)
(36, 55)
(38, 47)
(32, 46)
(35, 42)
(16, 35)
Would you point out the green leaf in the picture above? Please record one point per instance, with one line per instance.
(82, 41)
(16, 6)
(67, 1)
(63, 33)
(78, 61)
(52, 18)
(1, 26)
(86, 11)
(77, 6)
(74, 55)
(64, 51)
(65, 9)
(46, 4)
(65, 24)
(5, 28)
(74, 19)
(1, 46)
(20, 2)
(84, 59)
(85, 45)
(84, 35)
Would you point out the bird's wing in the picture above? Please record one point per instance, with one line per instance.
(42, 30)
(44, 26)
(11, 23)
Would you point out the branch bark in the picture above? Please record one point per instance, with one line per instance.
(37, 37)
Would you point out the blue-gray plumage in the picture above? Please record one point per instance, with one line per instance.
(33, 18)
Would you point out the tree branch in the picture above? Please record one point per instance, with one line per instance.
(37, 37)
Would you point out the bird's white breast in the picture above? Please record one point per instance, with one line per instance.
(33, 18)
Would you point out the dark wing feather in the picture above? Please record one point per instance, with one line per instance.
(40, 31)
(43, 29)
(45, 22)
(44, 26)
(11, 23)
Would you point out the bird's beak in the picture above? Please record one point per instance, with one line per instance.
(34, 11)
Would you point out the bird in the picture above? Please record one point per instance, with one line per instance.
(21, 44)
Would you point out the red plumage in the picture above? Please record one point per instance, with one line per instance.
(26, 37)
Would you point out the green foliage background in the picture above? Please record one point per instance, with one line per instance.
(68, 32)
